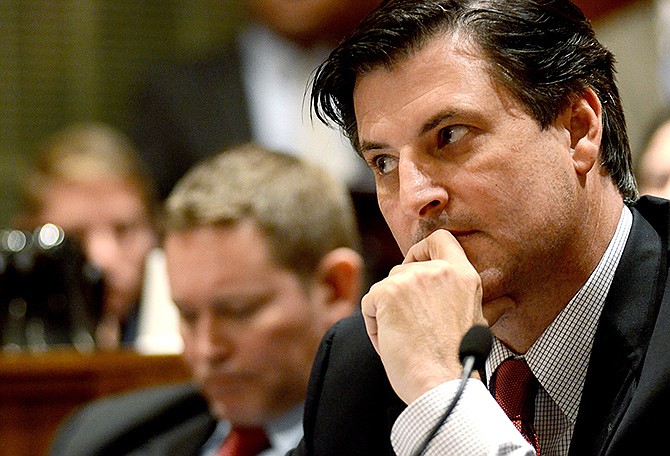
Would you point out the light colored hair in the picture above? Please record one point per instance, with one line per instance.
(85, 152)
(304, 212)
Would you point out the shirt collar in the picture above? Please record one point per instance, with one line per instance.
(559, 358)
(284, 433)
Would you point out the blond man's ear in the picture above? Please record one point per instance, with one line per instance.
(339, 278)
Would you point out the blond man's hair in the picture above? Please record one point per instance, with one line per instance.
(304, 212)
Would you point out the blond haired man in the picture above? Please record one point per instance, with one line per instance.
(261, 250)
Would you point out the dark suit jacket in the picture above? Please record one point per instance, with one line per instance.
(161, 421)
(188, 111)
(350, 406)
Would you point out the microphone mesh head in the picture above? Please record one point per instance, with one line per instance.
(477, 342)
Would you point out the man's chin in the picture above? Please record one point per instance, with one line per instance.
(495, 303)
(493, 310)
(243, 412)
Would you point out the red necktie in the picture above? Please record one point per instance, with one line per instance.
(244, 442)
(515, 387)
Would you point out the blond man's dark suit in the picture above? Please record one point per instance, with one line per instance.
(161, 421)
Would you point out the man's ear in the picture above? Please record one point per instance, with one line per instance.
(585, 126)
(339, 279)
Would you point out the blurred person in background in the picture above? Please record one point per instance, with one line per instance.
(652, 165)
(88, 180)
(254, 90)
(261, 249)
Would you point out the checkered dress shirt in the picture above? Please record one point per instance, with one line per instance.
(559, 359)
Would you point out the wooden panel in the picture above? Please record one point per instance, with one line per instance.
(37, 391)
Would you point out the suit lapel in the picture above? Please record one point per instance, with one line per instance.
(621, 339)
(350, 405)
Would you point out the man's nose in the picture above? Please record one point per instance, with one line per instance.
(421, 195)
(214, 341)
(101, 248)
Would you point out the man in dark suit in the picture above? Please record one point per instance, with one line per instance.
(502, 166)
(261, 253)
(249, 90)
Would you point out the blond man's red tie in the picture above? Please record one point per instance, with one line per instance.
(244, 441)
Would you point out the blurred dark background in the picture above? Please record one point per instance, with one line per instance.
(69, 60)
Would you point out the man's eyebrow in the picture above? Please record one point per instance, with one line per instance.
(429, 125)
(367, 146)
(435, 120)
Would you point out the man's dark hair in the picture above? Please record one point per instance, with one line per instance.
(543, 51)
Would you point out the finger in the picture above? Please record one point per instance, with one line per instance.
(439, 245)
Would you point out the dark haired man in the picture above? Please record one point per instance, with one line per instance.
(502, 166)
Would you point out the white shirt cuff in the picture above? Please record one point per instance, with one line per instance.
(476, 426)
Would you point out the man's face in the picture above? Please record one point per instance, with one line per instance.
(452, 149)
(310, 21)
(110, 219)
(250, 328)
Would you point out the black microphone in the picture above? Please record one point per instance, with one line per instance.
(476, 344)
(473, 351)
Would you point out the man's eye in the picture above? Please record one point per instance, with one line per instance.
(451, 134)
(187, 317)
(384, 164)
(244, 308)
(237, 313)
(123, 231)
